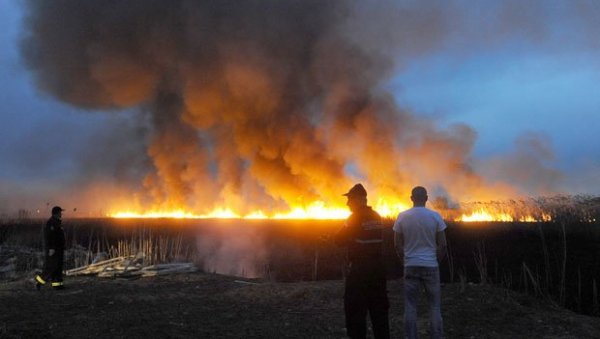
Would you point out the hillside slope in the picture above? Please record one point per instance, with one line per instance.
(203, 305)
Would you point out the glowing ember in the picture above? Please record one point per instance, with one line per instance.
(547, 217)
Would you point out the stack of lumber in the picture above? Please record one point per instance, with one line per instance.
(130, 266)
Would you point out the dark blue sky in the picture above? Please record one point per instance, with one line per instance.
(506, 87)
(502, 95)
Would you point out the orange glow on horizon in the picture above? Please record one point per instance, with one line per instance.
(319, 211)
(316, 210)
(483, 215)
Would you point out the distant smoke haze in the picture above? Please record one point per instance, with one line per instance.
(528, 167)
(268, 104)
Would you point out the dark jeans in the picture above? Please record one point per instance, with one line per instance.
(416, 278)
(366, 292)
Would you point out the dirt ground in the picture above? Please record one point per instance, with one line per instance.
(200, 305)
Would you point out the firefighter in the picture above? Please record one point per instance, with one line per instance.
(365, 285)
(54, 247)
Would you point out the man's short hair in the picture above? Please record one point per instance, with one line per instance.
(419, 193)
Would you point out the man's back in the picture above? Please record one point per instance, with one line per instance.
(420, 240)
(419, 227)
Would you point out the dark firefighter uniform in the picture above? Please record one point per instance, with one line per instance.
(54, 239)
(366, 286)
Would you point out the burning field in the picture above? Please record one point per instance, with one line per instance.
(556, 259)
(260, 109)
(231, 130)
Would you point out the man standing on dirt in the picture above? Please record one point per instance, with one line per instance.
(420, 242)
(366, 285)
(54, 247)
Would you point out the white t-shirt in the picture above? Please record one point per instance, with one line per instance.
(419, 226)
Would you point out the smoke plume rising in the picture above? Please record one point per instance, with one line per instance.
(257, 105)
(238, 252)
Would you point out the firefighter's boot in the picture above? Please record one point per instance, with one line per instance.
(58, 285)
(39, 282)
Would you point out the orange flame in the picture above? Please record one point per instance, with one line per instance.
(318, 210)
(484, 215)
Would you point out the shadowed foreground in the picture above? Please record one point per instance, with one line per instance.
(212, 306)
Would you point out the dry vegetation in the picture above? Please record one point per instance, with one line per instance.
(504, 280)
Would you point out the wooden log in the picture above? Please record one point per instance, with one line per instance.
(97, 267)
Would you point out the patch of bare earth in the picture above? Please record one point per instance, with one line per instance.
(202, 305)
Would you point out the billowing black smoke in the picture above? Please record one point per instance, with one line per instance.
(256, 104)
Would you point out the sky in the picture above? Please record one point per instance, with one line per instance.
(529, 77)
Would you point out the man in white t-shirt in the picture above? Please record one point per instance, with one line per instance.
(420, 243)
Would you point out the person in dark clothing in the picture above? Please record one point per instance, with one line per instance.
(54, 248)
(366, 285)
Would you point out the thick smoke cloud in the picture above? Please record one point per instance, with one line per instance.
(259, 104)
(528, 166)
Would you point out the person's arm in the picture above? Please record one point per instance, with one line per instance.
(344, 235)
(398, 239)
(341, 237)
(440, 239)
(49, 238)
(399, 245)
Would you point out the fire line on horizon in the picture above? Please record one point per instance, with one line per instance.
(319, 212)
